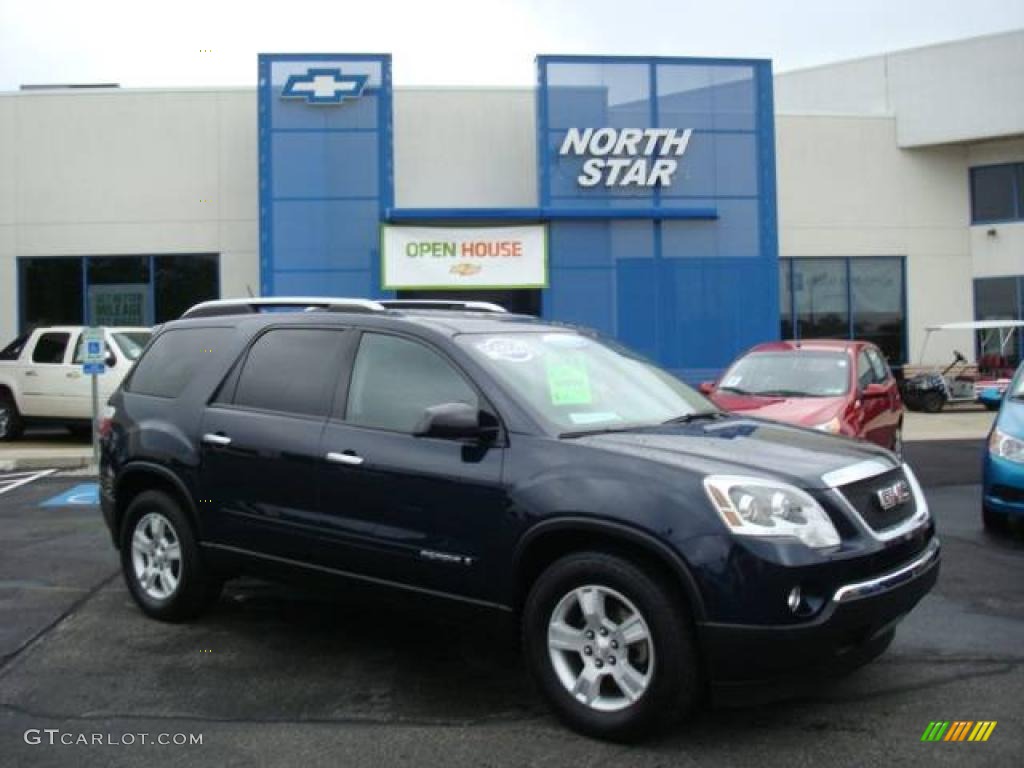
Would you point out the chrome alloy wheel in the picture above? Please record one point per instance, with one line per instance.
(601, 648)
(5, 419)
(156, 556)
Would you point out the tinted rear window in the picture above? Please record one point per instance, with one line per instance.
(173, 358)
(291, 370)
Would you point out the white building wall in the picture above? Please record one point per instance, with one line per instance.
(465, 148)
(965, 90)
(997, 249)
(846, 189)
(128, 172)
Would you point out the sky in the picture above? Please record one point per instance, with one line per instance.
(454, 42)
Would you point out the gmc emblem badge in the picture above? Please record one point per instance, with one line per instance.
(893, 495)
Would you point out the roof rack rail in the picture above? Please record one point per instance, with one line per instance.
(251, 306)
(451, 304)
(223, 307)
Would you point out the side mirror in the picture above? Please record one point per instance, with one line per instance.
(874, 390)
(111, 359)
(450, 420)
(990, 397)
(706, 387)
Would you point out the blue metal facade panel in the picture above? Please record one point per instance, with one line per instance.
(325, 174)
(690, 292)
(686, 273)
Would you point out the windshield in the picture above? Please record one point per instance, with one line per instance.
(789, 374)
(579, 384)
(131, 343)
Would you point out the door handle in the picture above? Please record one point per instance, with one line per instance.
(31, 373)
(73, 375)
(213, 439)
(345, 458)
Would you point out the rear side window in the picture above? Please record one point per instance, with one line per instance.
(291, 370)
(50, 348)
(173, 358)
(395, 380)
(13, 350)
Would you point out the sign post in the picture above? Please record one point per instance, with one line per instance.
(94, 363)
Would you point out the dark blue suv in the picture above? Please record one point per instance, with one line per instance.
(650, 543)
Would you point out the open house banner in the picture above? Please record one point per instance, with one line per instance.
(464, 257)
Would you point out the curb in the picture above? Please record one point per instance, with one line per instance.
(45, 462)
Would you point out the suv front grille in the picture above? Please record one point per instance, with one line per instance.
(866, 496)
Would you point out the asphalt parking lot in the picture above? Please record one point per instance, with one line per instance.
(276, 676)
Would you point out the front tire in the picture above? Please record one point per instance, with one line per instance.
(611, 647)
(11, 424)
(161, 561)
(932, 402)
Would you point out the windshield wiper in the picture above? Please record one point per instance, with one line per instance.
(784, 393)
(686, 418)
(737, 390)
(601, 431)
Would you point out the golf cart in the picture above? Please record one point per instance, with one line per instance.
(960, 382)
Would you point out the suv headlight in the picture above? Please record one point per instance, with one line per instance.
(752, 506)
(1005, 447)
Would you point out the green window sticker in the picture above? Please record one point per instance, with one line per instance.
(568, 383)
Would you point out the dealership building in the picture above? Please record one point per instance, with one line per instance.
(688, 207)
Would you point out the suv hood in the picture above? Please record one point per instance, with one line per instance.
(744, 446)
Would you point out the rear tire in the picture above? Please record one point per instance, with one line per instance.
(161, 562)
(611, 647)
(932, 402)
(11, 423)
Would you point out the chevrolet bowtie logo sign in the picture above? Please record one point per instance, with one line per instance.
(324, 86)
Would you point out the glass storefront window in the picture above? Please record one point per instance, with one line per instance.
(181, 281)
(786, 298)
(113, 290)
(51, 291)
(822, 303)
(876, 296)
(997, 298)
(845, 298)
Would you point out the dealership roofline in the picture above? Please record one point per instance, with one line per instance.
(901, 51)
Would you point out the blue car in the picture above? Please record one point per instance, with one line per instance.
(1003, 470)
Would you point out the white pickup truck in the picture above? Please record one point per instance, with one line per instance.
(41, 379)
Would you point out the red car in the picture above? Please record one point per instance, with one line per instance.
(843, 387)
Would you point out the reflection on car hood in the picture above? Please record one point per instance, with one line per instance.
(738, 445)
(807, 411)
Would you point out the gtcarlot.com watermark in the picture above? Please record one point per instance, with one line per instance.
(57, 737)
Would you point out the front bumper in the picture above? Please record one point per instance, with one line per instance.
(1003, 490)
(857, 615)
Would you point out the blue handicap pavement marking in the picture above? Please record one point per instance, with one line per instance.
(84, 495)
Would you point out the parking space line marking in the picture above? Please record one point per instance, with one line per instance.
(24, 478)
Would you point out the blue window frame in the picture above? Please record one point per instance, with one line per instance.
(861, 297)
(997, 193)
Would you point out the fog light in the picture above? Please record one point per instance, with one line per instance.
(793, 601)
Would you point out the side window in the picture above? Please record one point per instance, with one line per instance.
(50, 348)
(292, 370)
(395, 380)
(878, 365)
(13, 350)
(173, 358)
(865, 373)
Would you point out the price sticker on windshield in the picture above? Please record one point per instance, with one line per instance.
(568, 382)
